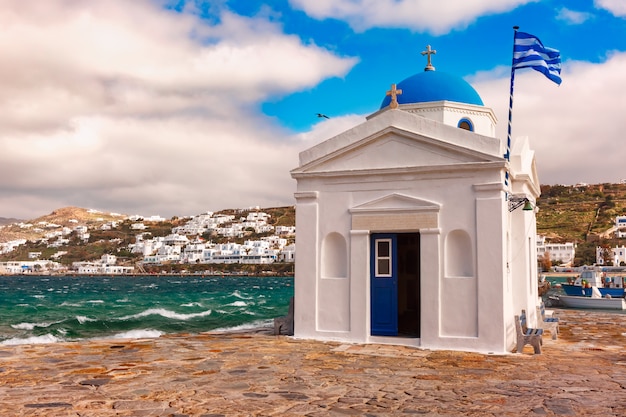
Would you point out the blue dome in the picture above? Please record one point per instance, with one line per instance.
(435, 86)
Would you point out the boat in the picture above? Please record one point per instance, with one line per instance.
(595, 301)
(588, 278)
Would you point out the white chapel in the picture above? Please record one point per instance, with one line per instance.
(410, 225)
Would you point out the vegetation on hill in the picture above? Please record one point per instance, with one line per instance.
(8, 220)
(63, 217)
(582, 214)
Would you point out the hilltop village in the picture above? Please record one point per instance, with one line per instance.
(245, 237)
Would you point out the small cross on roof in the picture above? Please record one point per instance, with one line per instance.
(394, 92)
(429, 52)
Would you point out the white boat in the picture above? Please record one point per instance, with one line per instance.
(595, 301)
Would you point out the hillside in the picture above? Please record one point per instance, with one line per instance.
(5, 220)
(580, 213)
(63, 217)
(113, 240)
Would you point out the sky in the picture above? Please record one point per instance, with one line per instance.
(175, 108)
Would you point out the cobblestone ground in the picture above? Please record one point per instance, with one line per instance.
(256, 374)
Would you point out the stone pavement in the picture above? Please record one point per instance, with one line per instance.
(256, 374)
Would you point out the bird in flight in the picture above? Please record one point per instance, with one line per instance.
(322, 116)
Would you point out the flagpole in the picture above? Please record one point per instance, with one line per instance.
(507, 155)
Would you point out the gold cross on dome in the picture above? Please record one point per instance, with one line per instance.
(429, 52)
(394, 92)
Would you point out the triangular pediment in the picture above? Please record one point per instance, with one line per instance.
(401, 141)
(396, 202)
(394, 149)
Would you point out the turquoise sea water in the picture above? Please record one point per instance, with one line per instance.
(48, 309)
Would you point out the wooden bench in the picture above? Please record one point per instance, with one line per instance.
(526, 335)
(547, 323)
(547, 313)
(284, 325)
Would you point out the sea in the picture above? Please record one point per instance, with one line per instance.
(52, 309)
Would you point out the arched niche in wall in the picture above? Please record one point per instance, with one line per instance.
(458, 255)
(334, 256)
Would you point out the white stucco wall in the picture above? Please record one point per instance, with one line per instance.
(401, 172)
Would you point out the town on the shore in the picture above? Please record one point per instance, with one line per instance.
(185, 246)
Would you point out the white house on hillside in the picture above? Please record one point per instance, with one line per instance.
(194, 251)
(285, 230)
(616, 254)
(287, 253)
(620, 225)
(559, 253)
(175, 239)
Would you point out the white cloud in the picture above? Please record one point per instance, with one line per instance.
(327, 129)
(572, 17)
(616, 7)
(576, 129)
(127, 107)
(437, 17)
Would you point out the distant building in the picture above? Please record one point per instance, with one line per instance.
(193, 251)
(7, 247)
(58, 243)
(287, 254)
(156, 218)
(175, 239)
(29, 267)
(107, 265)
(620, 226)
(285, 230)
(559, 253)
(617, 255)
(107, 259)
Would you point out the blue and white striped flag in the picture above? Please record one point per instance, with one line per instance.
(529, 52)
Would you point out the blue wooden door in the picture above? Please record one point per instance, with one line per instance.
(384, 285)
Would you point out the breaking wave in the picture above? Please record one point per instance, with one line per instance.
(238, 304)
(32, 340)
(30, 326)
(138, 334)
(166, 313)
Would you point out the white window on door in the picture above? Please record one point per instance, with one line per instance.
(383, 258)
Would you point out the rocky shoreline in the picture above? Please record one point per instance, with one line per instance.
(254, 373)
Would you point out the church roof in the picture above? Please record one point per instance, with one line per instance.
(432, 85)
(409, 140)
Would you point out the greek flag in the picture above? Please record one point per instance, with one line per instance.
(529, 52)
